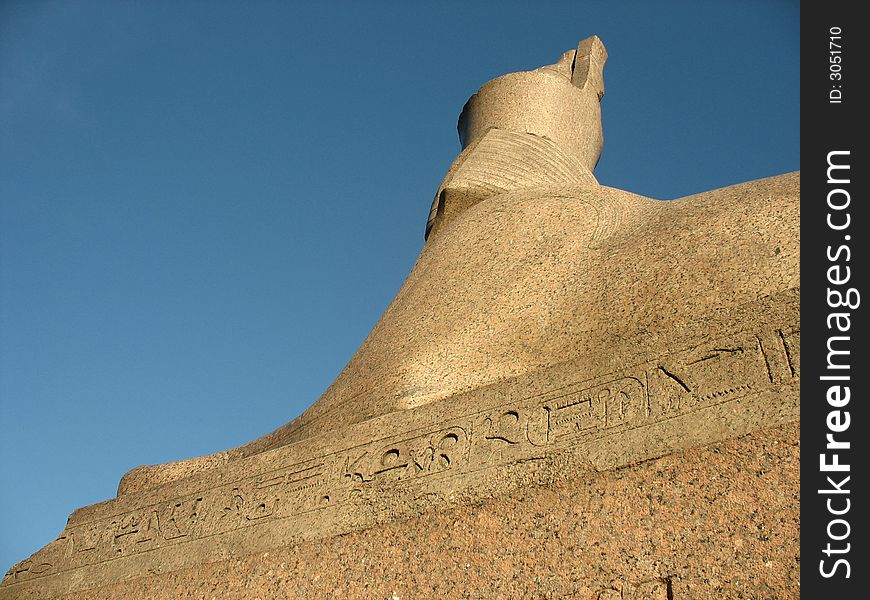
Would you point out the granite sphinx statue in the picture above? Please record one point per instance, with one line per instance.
(529, 261)
(546, 313)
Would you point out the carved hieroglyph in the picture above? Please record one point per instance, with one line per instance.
(551, 326)
(738, 370)
(529, 262)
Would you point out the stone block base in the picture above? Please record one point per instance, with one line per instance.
(720, 521)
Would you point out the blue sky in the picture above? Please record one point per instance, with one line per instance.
(205, 207)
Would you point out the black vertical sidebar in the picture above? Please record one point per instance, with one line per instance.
(834, 302)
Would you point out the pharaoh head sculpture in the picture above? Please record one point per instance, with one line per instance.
(527, 128)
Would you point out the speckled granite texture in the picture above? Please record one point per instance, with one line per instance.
(714, 522)
(579, 392)
(538, 437)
